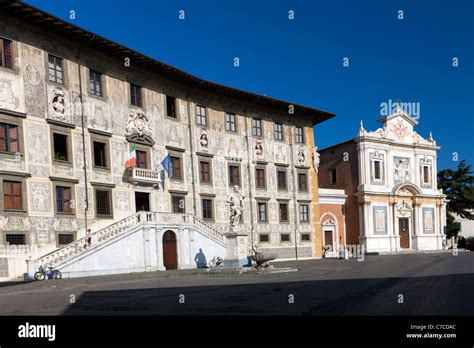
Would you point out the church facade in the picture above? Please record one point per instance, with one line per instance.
(389, 177)
(75, 107)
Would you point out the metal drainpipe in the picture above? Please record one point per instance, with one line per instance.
(193, 173)
(295, 185)
(249, 172)
(86, 209)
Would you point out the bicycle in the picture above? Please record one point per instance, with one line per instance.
(49, 273)
(216, 262)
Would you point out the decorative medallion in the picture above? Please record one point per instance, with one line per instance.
(58, 105)
(203, 140)
(400, 129)
(258, 149)
(138, 128)
(301, 157)
(404, 209)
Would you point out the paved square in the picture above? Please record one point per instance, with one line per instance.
(429, 284)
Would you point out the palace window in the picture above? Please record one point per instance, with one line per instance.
(142, 159)
(230, 124)
(234, 175)
(9, 138)
(278, 131)
(284, 237)
(264, 238)
(201, 116)
(283, 212)
(299, 137)
(171, 106)
(281, 179)
(15, 239)
(103, 203)
(205, 171)
(304, 213)
(60, 147)
(333, 176)
(305, 237)
(175, 167)
(12, 195)
(100, 158)
(95, 83)
(55, 69)
(63, 199)
(178, 203)
(256, 127)
(207, 209)
(302, 182)
(135, 95)
(65, 238)
(6, 59)
(260, 177)
(262, 211)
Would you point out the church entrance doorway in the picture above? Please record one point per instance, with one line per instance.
(403, 228)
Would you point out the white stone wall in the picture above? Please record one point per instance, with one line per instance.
(401, 190)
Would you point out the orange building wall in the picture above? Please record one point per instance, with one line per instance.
(337, 211)
(344, 158)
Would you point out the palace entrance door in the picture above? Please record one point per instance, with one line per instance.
(170, 255)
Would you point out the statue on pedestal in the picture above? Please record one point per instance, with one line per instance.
(236, 207)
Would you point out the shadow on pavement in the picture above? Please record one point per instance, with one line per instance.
(11, 283)
(432, 295)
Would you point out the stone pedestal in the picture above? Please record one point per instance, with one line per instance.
(237, 250)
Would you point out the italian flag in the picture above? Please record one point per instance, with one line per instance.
(132, 158)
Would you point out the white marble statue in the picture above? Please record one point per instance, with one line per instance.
(236, 206)
(316, 159)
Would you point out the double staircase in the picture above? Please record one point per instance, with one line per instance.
(79, 249)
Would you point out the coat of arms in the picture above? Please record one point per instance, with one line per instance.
(400, 129)
(138, 127)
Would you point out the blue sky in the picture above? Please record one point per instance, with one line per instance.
(301, 60)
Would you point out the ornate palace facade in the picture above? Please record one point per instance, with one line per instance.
(73, 105)
(389, 177)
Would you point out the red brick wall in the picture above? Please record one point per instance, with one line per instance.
(347, 174)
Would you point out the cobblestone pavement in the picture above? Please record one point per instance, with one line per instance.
(409, 284)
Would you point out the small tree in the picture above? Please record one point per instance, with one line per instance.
(458, 185)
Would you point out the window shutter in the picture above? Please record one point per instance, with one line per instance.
(7, 195)
(67, 199)
(13, 138)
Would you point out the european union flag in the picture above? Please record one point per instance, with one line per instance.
(166, 163)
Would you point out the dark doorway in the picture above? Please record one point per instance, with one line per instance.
(170, 255)
(404, 233)
(142, 201)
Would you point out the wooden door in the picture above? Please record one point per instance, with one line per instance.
(403, 229)
(170, 255)
(328, 241)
